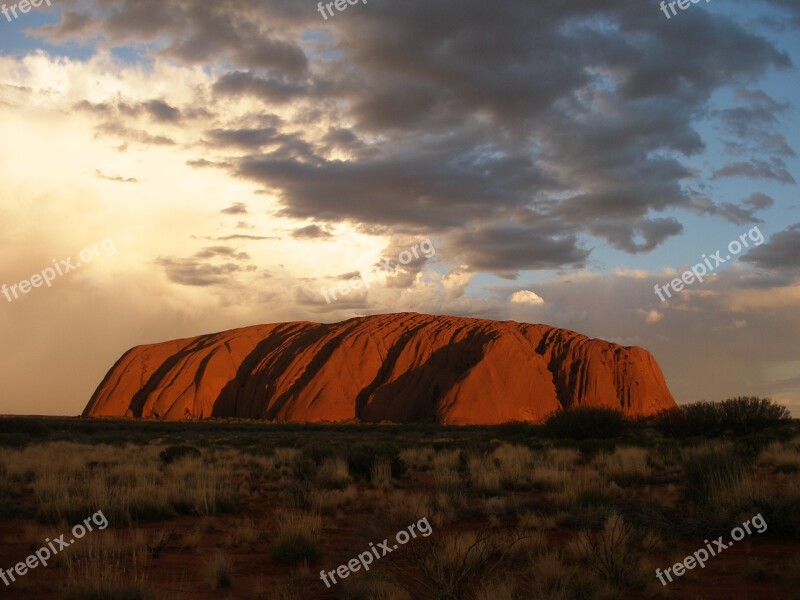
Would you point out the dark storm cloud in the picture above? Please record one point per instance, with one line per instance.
(198, 32)
(781, 252)
(505, 250)
(242, 138)
(442, 187)
(273, 90)
(582, 115)
(342, 139)
(791, 7)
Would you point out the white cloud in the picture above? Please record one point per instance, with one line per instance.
(651, 316)
(526, 297)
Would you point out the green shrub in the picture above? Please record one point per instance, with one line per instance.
(586, 423)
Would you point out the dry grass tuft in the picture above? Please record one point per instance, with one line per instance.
(623, 465)
(334, 473)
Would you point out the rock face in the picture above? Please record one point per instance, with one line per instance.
(403, 367)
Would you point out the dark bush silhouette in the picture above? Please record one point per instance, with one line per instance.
(175, 453)
(360, 459)
(585, 423)
(743, 414)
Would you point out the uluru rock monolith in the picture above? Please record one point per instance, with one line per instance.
(403, 367)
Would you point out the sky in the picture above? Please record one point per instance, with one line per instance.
(169, 169)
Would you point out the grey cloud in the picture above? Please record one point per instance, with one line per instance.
(640, 236)
(203, 269)
(243, 138)
(162, 112)
(754, 169)
(759, 201)
(159, 110)
(137, 135)
(221, 251)
(311, 232)
(276, 90)
(781, 252)
(507, 250)
(733, 213)
(197, 32)
(582, 114)
(237, 208)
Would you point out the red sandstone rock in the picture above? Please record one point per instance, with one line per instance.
(402, 367)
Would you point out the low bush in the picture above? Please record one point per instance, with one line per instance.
(586, 423)
(299, 538)
(361, 460)
(175, 453)
(743, 414)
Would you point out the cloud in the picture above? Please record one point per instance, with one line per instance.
(200, 269)
(781, 252)
(754, 169)
(162, 112)
(733, 213)
(100, 175)
(651, 316)
(237, 208)
(506, 250)
(311, 232)
(759, 201)
(583, 115)
(526, 297)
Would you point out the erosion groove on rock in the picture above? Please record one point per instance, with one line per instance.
(404, 367)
